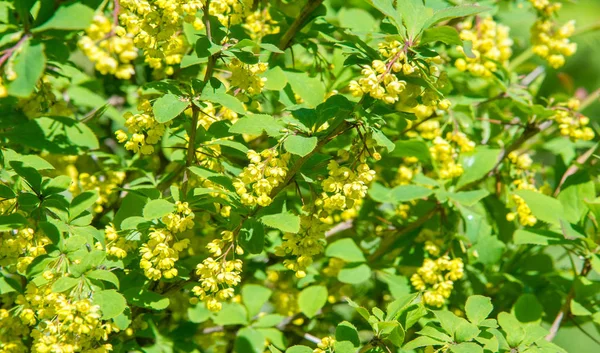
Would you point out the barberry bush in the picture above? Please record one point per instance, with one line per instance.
(295, 176)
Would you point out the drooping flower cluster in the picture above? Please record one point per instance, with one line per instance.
(345, 187)
(144, 130)
(156, 28)
(436, 279)
(230, 12)
(521, 165)
(325, 346)
(571, 123)
(308, 242)
(432, 243)
(19, 247)
(550, 41)
(491, 46)
(12, 333)
(116, 245)
(246, 76)
(218, 275)
(62, 324)
(265, 172)
(445, 155)
(105, 184)
(161, 252)
(109, 48)
(260, 23)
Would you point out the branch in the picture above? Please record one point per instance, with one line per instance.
(298, 23)
(12, 49)
(566, 308)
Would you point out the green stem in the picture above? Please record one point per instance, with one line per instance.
(191, 151)
(523, 57)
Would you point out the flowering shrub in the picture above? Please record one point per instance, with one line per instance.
(325, 176)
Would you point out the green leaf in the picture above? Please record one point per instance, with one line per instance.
(411, 148)
(477, 165)
(538, 237)
(515, 334)
(343, 347)
(11, 221)
(468, 198)
(528, 308)
(466, 347)
(276, 79)
(575, 200)
(73, 16)
(82, 202)
(145, 298)
(466, 331)
(478, 308)
(345, 331)
(29, 63)
(300, 145)
(168, 107)
(544, 208)
(354, 274)
(453, 12)
(254, 296)
(578, 309)
(383, 140)
(285, 222)
(402, 193)
(6, 192)
(104, 275)
(249, 340)
(198, 313)
(252, 236)
(312, 299)
(310, 89)
(111, 303)
(386, 7)
(299, 349)
(269, 320)
(345, 249)
(64, 283)
(444, 34)
(224, 99)
(423, 341)
(231, 314)
(255, 124)
(156, 209)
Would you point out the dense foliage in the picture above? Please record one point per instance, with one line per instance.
(302, 176)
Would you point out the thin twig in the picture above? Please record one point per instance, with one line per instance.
(566, 308)
(298, 23)
(11, 50)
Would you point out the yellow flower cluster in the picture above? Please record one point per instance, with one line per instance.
(180, 220)
(432, 242)
(260, 24)
(522, 163)
(218, 275)
(285, 295)
(265, 172)
(571, 123)
(230, 12)
(407, 170)
(111, 54)
(246, 76)
(61, 324)
(325, 346)
(20, 247)
(156, 27)
(105, 184)
(116, 245)
(491, 46)
(550, 41)
(445, 155)
(308, 242)
(160, 254)
(379, 80)
(12, 333)
(144, 129)
(344, 187)
(436, 279)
